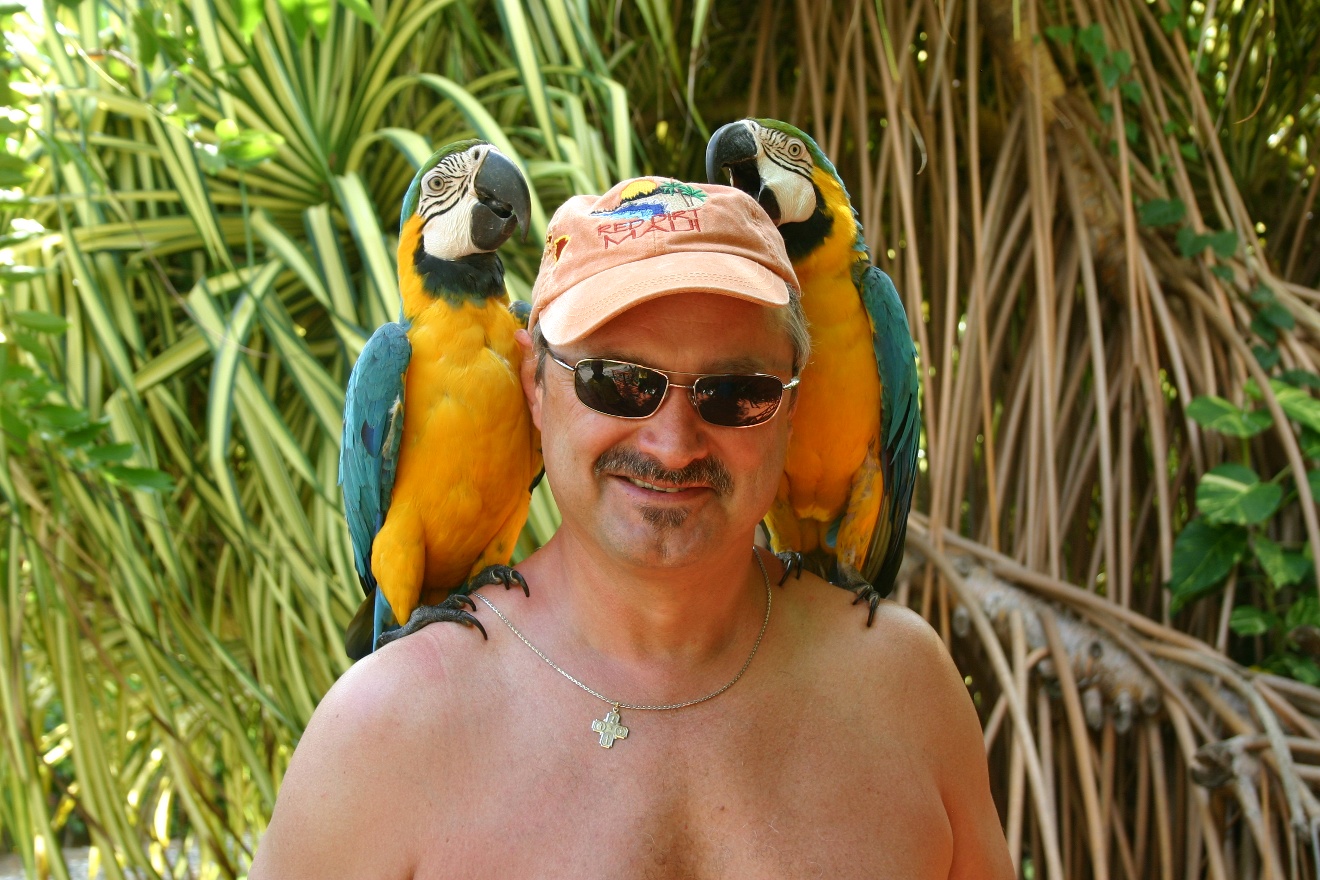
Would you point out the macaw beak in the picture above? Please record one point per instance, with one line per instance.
(503, 202)
(733, 148)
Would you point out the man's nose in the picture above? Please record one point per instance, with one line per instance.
(676, 434)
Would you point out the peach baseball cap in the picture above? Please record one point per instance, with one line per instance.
(650, 237)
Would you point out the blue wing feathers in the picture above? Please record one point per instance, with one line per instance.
(369, 452)
(895, 358)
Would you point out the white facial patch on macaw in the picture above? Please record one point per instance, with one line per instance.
(785, 166)
(445, 203)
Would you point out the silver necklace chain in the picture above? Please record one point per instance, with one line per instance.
(615, 703)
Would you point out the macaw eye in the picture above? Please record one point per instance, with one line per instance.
(795, 149)
(435, 183)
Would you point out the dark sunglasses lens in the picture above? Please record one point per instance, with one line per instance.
(738, 401)
(619, 389)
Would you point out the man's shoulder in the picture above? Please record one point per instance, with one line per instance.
(360, 765)
(414, 680)
(899, 653)
(384, 711)
(832, 619)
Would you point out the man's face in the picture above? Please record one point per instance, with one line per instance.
(726, 478)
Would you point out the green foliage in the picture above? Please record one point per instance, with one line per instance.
(1232, 494)
(1162, 212)
(1191, 244)
(1232, 531)
(1220, 415)
(1203, 556)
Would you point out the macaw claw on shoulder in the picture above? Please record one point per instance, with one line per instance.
(454, 608)
(792, 562)
(851, 579)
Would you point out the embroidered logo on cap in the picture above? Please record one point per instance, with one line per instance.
(557, 248)
(646, 207)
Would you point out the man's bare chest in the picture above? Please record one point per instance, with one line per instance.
(713, 791)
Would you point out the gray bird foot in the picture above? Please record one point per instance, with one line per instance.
(496, 574)
(790, 559)
(455, 608)
(452, 610)
(851, 579)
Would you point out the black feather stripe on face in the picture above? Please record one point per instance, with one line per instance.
(445, 184)
(785, 151)
(800, 239)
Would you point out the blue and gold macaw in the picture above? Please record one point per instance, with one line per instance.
(852, 459)
(439, 452)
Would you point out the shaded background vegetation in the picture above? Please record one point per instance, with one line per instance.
(1100, 215)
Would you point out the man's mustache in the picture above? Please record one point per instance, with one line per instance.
(630, 463)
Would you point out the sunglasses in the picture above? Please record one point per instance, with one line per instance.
(631, 391)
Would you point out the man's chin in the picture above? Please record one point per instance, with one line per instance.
(661, 537)
(664, 518)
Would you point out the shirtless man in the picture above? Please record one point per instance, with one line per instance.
(810, 745)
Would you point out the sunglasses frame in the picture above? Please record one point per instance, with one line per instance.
(670, 383)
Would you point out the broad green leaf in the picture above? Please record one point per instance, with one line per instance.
(1267, 357)
(20, 273)
(1304, 669)
(1284, 568)
(1249, 621)
(84, 435)
(1310, 443)
(1297, 404)
(1162, 212)
(1203, 555)
(248, 149)
(1304, 611)
(1224, 244)
(1300, 378)
(33, 345)
(14, 426)
(1061, 34)
(1218, 414)
(1234, 493)
(1091, 40)
(1191, 244)
(147, 479)
(41, 322)
(1278, 316)
(111, 453)
(59, 417)
(1109, 74)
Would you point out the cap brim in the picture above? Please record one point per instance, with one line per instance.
(582, 308)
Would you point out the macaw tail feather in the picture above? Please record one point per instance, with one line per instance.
(358, 637)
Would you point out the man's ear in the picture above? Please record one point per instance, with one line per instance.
(532, 388)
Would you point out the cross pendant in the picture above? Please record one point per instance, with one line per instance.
(609, 727)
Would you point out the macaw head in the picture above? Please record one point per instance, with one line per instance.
(468, 198)
(771, 161)
(781, 167)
